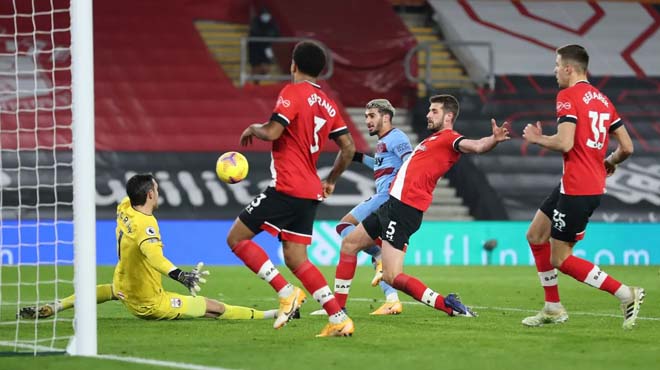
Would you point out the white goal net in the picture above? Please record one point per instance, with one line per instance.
(37, 174)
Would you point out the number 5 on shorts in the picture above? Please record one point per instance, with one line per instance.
(389, 234)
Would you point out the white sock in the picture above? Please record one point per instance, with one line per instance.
(270, 314)
(624, 293)
(338, 317)
(553, 306)
(286, 291)
(392, 297)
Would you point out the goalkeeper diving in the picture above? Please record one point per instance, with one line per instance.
(137, 277)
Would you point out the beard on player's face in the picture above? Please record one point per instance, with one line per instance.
(376, 127)
(437, 125)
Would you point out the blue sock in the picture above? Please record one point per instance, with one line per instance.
(387, 289)
(373, 250)
(347, 230)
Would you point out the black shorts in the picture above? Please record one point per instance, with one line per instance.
(281, 215)
(394, 222)
(569, 214)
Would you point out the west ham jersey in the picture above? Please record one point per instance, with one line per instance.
(419, 174)
(594, 117)
(391, 151)
(310, 117)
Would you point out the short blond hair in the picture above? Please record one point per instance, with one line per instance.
(383, 105)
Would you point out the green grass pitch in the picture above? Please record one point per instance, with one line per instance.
(420, 338)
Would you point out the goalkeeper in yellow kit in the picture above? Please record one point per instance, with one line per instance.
(137, 278)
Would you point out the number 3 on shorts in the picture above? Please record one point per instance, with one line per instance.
(255, 203)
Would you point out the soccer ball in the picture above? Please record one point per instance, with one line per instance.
(232, 167)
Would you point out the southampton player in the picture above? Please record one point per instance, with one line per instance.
(303, 119)
(411, 194)
(392, 149)
(137, 277)
(585, 119)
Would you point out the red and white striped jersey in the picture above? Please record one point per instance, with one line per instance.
(594, 117)
(310, 117)
(418, 176)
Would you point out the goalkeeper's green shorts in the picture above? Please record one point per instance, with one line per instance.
(172, 306)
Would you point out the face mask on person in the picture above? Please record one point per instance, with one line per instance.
(265, 17)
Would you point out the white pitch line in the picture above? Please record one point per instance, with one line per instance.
(514, 309)
(571, 312)
(183, 365)
(135, 360)
(146, 361)
(524, 310)
(24, 345)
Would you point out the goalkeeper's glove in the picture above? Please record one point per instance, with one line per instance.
(192, 279)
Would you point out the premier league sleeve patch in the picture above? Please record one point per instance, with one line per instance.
(175, 302)
(151, 231)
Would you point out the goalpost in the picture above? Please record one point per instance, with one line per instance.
(47, 174)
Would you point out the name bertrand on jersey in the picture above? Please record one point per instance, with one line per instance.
(589, 95)
(315, 99)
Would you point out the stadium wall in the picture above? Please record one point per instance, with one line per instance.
(621, 36)
(365, 67)
(436, 243)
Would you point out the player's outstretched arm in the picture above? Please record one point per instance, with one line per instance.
(485, 144)
(154, 254)
(623, 150)
(192, 279)
(344, 158)
(268, 131)
(365, 159)
(562, 141)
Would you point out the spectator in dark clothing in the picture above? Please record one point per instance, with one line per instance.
(261, 52)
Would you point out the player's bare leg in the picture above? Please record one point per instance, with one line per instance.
(392, 261)
(238, 232)
(392, 305)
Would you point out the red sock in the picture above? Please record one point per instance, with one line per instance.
(546, 271)
(344, 276)
(254, 257)
(587, 272)
(314, 282)
(420, 292)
